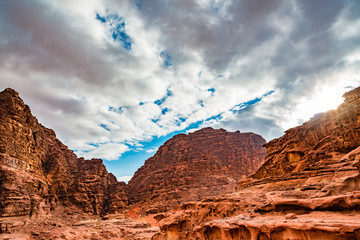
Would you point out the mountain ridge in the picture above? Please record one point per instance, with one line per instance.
(188, 167)
(307, 188)
(40, 174)
(43, 181)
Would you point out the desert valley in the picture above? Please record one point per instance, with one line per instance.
(209, 184)
(180, 120)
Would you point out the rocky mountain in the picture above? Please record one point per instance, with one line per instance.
(208, 162)
(308, 188)
(45, 186)
(332, 133)
(39, 174)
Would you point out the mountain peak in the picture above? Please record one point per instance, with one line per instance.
(352, 95)
(204, 163)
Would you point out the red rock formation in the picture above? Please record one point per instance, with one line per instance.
(308, 188)
(109, 227)
(38, 173)
(207, 162)
(95, 190)
(326, 134)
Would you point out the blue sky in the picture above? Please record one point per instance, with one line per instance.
(130, 161)
(116, 79)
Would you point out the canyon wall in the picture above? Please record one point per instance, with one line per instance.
(326, 134)
(39, 174)
(308, 188)
(188, 167)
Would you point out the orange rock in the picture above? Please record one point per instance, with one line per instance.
(205, 163)
(39, 174)
(308, 188)
(326, 134)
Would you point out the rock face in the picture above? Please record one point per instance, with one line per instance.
(38, 173)
(207, 162)
(109, 227)
(308, 188)
(333, 132)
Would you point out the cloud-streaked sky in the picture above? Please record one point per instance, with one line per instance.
(115, 79)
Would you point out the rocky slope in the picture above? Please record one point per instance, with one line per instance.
(188, 167)
(75, 227)
(333, 132)
(38, 174)
(308, 188)
(49, 193)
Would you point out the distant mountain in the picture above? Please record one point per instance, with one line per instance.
(42, 179)
(208, 162)
(223, 187)
(307, 188)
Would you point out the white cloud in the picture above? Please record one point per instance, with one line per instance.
(107, 151)
(152, 150)
(71, 72)
(345, 27)
(124, 178)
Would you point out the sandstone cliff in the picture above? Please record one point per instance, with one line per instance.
(188, 167)
(47, 192)
(326, 134)
(39, 174)
(308, 188)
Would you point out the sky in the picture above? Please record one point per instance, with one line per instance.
(116, 79)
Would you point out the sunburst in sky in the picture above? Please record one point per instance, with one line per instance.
(115, 79)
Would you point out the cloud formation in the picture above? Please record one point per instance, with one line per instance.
(124, 178)
(106, 75)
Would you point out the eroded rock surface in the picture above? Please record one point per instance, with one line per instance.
(74, 227)
(39, 174)
(326, 134)
(49, 193)
(188, 167)
(308, 188)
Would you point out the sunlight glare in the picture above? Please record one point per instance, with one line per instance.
(326, 99)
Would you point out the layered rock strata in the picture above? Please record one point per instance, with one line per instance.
(109, 227)
(188, 167)
(38, 173)
(308, 188)
(326, 134)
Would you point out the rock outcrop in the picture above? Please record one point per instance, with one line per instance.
(326, 134)
(188, 167)
(75, 227)
(47, 192)
(308, 188)
(39, 174)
